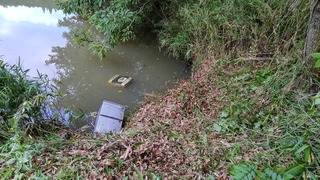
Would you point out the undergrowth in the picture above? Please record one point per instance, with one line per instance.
(256, 122)
(249, 111)
(240, 28)
(273, 107)
(23, 117)
(21, 99)
(191, 28)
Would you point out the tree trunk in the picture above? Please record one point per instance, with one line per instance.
(313, 34)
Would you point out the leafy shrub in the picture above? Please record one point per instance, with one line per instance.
(189, 28)
(21, 99)
(236, 27)
(117, 21)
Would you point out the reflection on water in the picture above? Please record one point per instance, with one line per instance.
(42, 39)
(33, 15)
(29, 33)
(82, 78)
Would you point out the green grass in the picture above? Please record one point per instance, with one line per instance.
(273, 106)
(22, 107)
(248, 118)
(21, 99)
(250, 110)
(237, 28)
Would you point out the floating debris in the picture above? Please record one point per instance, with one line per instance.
(120, 80)
(94, 114)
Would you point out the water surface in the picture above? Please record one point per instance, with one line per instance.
(40, 36)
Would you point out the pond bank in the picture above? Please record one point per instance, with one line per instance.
(201, 128)
(43, 39)
(251, 113)
(170, 134)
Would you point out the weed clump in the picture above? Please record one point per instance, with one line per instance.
(237, 28)
(21, 99)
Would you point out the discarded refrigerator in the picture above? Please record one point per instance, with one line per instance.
(109, 117)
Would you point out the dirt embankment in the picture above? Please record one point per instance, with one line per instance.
(177, 128)
(170, 135)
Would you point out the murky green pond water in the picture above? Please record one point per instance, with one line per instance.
(39, 35)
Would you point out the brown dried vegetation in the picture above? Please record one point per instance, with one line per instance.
(171, 136)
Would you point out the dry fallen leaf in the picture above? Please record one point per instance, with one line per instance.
(128, 151)
(93, 175)
(107, 162)
(78, 152)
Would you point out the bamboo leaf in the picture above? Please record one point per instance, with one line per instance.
(296, 170)
(317, 64)
(315, 55)
(297, 153)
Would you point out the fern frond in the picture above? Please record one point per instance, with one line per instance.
(271, 174)
(244, 171)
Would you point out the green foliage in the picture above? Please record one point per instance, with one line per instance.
(236, 27)
(247, 171)
(117, 21)
(317, 57)
(15, 88)
(16, 157)
(82, 37)
(83, 8)
(269, 173)
(273, 108)
(21, 99)
(99, 49)
(225, 123)
(191, 28)
(244, 171)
